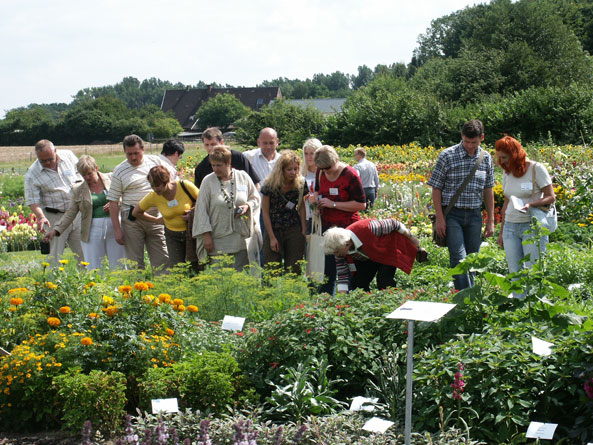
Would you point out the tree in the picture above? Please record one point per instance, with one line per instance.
(364, 76)
(221, 111)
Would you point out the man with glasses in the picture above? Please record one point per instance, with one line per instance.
(48, 191)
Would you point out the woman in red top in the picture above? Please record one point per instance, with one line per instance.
(340, 196)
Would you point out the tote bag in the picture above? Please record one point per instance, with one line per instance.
(315, 253)
(545, 215)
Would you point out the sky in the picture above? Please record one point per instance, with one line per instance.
(51, 50)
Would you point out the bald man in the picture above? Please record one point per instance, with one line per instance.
(264, 157)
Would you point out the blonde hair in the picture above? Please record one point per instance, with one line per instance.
(313, 143)
(326, 157)
(86, 164)
(275, 179)
(334, 239)
(220, 153)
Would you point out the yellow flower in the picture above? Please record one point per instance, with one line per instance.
(177, 301)
(169, 332)
(61, 269)
(164, 298)
(64, 261)
(124, 289)
(54, 322)
(141, 286)
(93, 315)
(12, 308)
(84, 263)
(51, 285)
(44, 264)
(180, 308)
(107, 300)
(148, 298)
(18, 289)
(192, 308)
(86, 341)
(110, 310)
(16, 301)
(65, 310)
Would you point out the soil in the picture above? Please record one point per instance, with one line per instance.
(47, 438)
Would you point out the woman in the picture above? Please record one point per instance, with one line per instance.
(517, 182)
(372, 247)
(339, 196)
(89, 198)
(283, 212)
(228, 210)
(308, 170)
(174, 199)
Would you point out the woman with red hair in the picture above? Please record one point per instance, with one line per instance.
(519, 185)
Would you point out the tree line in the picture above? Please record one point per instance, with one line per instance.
(522, 67)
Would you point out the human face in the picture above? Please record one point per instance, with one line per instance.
(91, 177)
(135, 155)
(309, 158)
(209, 144)
(221, 170)
(48, 158)
(357, 157)
(503, 158)
(159, 189)
(290, 172)
(471, 144)
(268, 142)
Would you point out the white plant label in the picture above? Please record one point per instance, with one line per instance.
(377, 425)
(164, 405)
(230, 323)
(538, 430)
(421, 311)
(541, 347)
(360, 403)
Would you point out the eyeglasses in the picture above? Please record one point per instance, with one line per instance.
(48, 160)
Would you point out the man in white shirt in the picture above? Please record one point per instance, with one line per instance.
(48, 191)
(264, 157)
(368, 175)
(130, 184)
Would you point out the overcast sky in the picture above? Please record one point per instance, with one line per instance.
(51, 49)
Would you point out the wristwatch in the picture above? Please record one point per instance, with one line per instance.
(335, 204)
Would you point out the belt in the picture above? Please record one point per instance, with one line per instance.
(50, 210)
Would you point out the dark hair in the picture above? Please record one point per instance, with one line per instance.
(472, 129)
(158, 175)
(212, 133)
(131, 140)
(173, 146)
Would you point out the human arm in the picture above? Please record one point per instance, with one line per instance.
(437, 203)
(114, 215)
(41, 219)
(138, 212)
(548, 198)
(265, 207)
(503, 213)
(489, 203)
(347, 206)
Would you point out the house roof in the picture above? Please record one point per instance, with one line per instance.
(185, 103)
(325, 106)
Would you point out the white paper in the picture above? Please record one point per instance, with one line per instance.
(164, 405)
(377, 425)
(538, 430)
(574, 286)
(359, 401)
(541, 347)
(421, 311)
(230, 323)
(2, 228)
(518, 204)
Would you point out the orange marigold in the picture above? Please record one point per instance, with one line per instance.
(65, 310)
(54, 322)
(18, 289)
(125, 289)
(164, 298)
(16, 301)
(192, 308)
(141, 286)
(93, 315)
(169, 331)
(86, 341)
(177, 301)
(110, 310)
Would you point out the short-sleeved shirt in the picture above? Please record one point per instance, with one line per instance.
(172, 211)
(347, 187)
(130, 183)
(49, 188)
(522, 188)
(283, 207)
(238, 162)
(453, 165)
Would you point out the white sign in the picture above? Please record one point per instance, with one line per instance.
(518, 204)
(538, 430)
(164, 405)
(541, 347)
(230, 323)
(360, 403)
(421, 311)
(377, 425)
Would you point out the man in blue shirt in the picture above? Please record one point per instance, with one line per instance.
(463, 225)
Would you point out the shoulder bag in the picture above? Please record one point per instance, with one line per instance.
(545, 215)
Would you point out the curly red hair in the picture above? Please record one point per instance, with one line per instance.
(517, 165)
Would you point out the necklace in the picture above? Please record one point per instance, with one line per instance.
(230, 199)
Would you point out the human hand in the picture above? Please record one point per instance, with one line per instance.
(119, 236)
(500, 241)
(49, 236)
(185, 216)
(244, 208)
(441, 227)
(274, 244)
(42, 223)
(325, 203)
(489, 229)
(208, 243)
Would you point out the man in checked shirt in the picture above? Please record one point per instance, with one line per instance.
(48, 191)
(463, 225)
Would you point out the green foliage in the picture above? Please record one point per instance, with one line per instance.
(293, 124)
(221, 111)
(208, 382)
(98, 397)
(13, 186)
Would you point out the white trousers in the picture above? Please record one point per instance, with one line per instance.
(71, 236)
(102, 242)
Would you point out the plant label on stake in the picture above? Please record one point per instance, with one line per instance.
(415, 311)
(230, 323)
(541, 347)
(377, 425)
(360, 403)
(164, 405)
(538, 430)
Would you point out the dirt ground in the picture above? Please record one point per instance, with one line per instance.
(48, 438)
(27, 153)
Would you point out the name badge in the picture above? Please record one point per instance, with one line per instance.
(352, 267)
(68, 173)
(172, 203)
(334, 191)
(528, 186)
(481, 174)
(290, 205)
(241, 188)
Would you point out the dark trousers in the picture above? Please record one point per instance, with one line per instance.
(176, 246)
(366, 271)
(292, 248)
(370, 194)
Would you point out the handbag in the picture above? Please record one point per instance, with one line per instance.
(440, 240)
(545, 215)
(315, 254)
(190, 242)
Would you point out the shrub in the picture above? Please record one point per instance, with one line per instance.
(98, 397)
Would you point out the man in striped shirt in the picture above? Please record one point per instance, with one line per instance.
(130, 184)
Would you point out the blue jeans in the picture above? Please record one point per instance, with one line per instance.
(464, 236)
(513, 236)
(370, 195)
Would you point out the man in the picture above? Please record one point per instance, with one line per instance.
(130, 184)
(48, 191)
(368, 175)
(211, 138)
(264, 157)
(463, 225)
(171, 153)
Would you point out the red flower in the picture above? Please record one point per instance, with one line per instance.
(240, 334)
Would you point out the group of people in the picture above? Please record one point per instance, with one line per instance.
(257, 207)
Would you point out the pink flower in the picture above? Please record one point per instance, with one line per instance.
(458, 384)
(589, 388)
